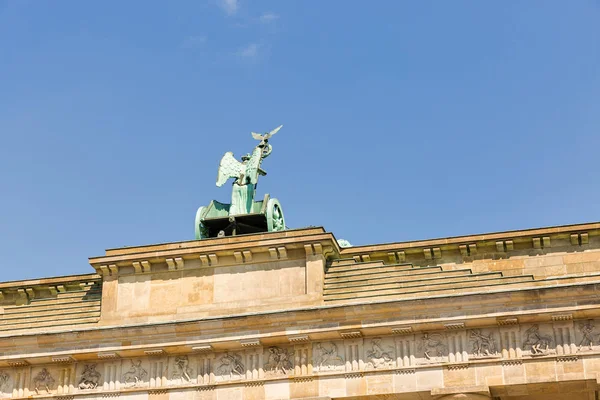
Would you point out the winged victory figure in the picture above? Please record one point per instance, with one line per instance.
(245, 173)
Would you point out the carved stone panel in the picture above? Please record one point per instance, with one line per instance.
(6, 384)
(89, 378)
(43, 381)
(181, 371)
(379, 353)
(588, 336)
(229, 366)
(328, 356)
(278, 361)
(484, 343)
(538, 340)
(134, 374)
(432, 348)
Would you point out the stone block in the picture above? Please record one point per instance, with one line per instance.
(230, 392)
(591, 367)
(570, 370)
(430, 378)
(514, 374)
(540, 371)
(543, 261)
(356, 386)
(489, 375)
(585, 256)
(455, 377)
(500, 265)
(255, 391)
(208, 393)
(379, 383)
(334, 386)
(303, 388)
(405, 381)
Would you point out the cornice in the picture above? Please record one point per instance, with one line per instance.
(524, 235)
(224, 241)
(55, 280)
(257, 248)
(270, 328)
(23, 292)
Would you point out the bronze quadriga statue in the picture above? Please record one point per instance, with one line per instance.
(243, 214)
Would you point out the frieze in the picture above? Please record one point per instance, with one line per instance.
(484, 344)
(433, 346)
(380, 353)
(43, 382)
(399, 354)
(136, 375)
(326, 357)
(279, 361)
(589, 336)
(182, 372)
(89, 377)
(4, 382)
(229, 366)
(538, 343)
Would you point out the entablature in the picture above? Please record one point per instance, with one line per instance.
(554, 305)
(228, 251)
(578, 237)
(23, 292)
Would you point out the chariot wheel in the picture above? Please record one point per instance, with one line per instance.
(275, 219)
(200, 229)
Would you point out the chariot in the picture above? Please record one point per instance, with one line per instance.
(214, 220)
(243, 214)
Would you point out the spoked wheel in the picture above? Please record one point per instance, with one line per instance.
(275, 219)
(200, 229)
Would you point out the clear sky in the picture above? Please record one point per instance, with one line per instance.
(402, 120)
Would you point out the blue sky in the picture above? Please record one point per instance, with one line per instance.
(402, 120)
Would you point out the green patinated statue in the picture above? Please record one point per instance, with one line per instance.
(245, 173)
(244, 214)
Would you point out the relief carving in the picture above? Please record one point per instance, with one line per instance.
(136, 374)
(589, 336)
(483, 345)
(279, 361)
(43, 380)
(230, 364)
(89, 377)
(182, 369)
(4, 378)
(536, 341)
(378, 356)
(326, 356)
(433, 347)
